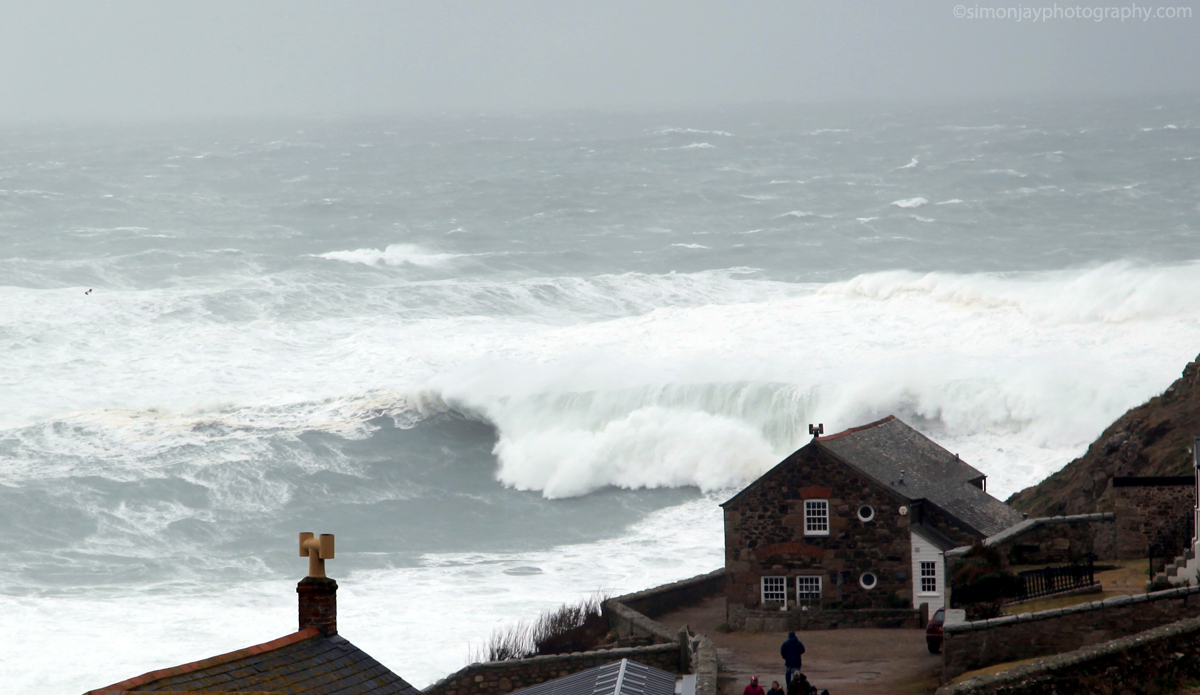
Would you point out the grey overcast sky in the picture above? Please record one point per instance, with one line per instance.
(159, 59)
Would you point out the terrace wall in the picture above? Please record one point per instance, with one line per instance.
(1154, 662)
(971, 645)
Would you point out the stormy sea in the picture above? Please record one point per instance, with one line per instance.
(513, 360)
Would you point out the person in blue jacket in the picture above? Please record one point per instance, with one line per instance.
(791, 652)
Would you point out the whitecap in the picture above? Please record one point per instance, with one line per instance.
(694, 131)
(394, 255)
(909, 203)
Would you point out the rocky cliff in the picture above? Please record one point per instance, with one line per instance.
(1154, 438)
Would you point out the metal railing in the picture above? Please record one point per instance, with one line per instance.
(1054, 580)
(1025, 585)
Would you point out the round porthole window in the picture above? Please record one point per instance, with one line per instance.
(866, 512)
(868, 580)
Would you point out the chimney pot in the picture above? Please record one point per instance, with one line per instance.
(317, 593)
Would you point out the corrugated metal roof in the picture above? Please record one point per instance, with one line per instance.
(622, 677)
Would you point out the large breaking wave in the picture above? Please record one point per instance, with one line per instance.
(1016, 371)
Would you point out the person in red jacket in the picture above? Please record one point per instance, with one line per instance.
(754, 688)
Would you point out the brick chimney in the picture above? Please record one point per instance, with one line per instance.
(318, 604)
(318, 593)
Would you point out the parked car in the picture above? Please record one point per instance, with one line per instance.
(933, 631)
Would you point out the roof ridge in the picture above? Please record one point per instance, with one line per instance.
(152, 676)
(852, 430)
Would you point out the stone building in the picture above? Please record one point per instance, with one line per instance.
(855, 520)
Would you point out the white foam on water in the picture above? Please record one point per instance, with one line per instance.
(1039, 362)
(1043, 361)
(910, 202)
(694, 131)
(394, 255)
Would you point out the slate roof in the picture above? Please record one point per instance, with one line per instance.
(305, 662)
(622, 677)
(912, 465)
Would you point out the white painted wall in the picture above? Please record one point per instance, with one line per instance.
(923, 550)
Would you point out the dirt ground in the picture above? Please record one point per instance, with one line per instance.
(845, 662)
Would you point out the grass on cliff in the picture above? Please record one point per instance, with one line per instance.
(572, 627)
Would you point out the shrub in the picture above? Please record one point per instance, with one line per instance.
(576, 627)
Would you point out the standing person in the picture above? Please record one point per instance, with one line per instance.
(754, 688)
(775, 689)
(799, 685)
(791, 651)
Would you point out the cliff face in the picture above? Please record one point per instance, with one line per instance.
(1154, 438)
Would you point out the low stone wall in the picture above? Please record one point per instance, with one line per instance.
(1154, 662)
(668, 597)
(749, 620)
(676, 652)
(704, 665)
(967, 646)
(1053, 540)
(498, 677)
(632, 615)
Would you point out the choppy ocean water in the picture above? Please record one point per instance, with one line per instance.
(513, 360)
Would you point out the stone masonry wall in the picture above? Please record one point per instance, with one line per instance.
(668, 597)
(1145, 512)
(499, 677)
(971, 645)
(631, 615)
(1054, 540)
(1154, 662)
(765, 536)
(704, 665)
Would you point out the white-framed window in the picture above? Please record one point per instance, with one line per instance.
(928, 577)
(774, 590)
(816, 517)
(808, 591)
(866, 512)
(868, 580)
